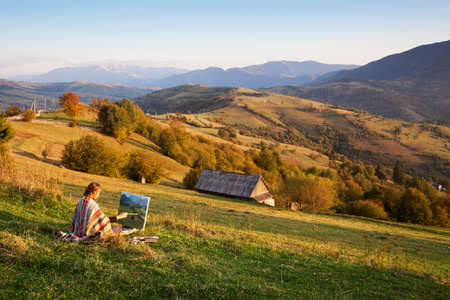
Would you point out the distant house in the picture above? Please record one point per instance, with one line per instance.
(248, 187)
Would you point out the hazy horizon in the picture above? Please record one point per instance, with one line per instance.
(45, 35)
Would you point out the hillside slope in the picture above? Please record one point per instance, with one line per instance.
(31, 139)
(208, 245)
(423, 148)
(412, 85)
(382, 98)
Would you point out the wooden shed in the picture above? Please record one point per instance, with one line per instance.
(248, 187)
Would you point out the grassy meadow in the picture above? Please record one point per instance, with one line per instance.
(209, 247)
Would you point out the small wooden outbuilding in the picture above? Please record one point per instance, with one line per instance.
(248, 187)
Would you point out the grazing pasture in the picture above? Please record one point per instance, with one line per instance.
(209, 247)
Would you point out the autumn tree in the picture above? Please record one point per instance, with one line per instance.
(143, 165)
(97, 103)
(71, 106)
(13, 110)
(114, 121)
(414, 207)
(132, 111)
(6, 134)
(312, 193)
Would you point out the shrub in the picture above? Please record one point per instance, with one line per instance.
(367, 208)
(90, 154)
(143, 165)
(28, 115)
(414, 207)
(191, 178)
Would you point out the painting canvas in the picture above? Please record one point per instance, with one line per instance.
(137, 207)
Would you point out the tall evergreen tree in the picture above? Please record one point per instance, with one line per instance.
(379, 173)
(398, 176)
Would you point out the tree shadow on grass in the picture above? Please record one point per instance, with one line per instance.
(34, 156)
(172, 183)
(141, 145)
(410, 226)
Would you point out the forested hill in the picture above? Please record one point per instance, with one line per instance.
(186, 99)
(423, 148)
(420, 63)
(413, 85)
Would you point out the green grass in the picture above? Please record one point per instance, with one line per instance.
(85, 119)
(209, 247)
(212, 247)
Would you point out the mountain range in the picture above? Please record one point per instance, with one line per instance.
(115, 74)
(413, 85)
(255, 76)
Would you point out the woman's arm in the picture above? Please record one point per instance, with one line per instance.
(118, 217)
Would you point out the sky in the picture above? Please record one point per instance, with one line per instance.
(38, 36)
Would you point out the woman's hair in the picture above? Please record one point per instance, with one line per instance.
(92, 189)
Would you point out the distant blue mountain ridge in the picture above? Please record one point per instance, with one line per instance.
(255, 76)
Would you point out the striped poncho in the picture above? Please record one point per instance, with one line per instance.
(88, 221)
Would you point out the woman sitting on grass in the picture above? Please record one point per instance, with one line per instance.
(88, 219)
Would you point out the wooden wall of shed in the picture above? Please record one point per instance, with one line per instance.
(260, 188)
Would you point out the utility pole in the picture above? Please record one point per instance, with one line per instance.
(45, 103)
(33, 105)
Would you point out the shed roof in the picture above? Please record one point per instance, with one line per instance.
(234, 184)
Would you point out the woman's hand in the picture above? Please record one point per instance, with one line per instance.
(122, 215)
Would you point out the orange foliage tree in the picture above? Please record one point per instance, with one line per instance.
(71, 105)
